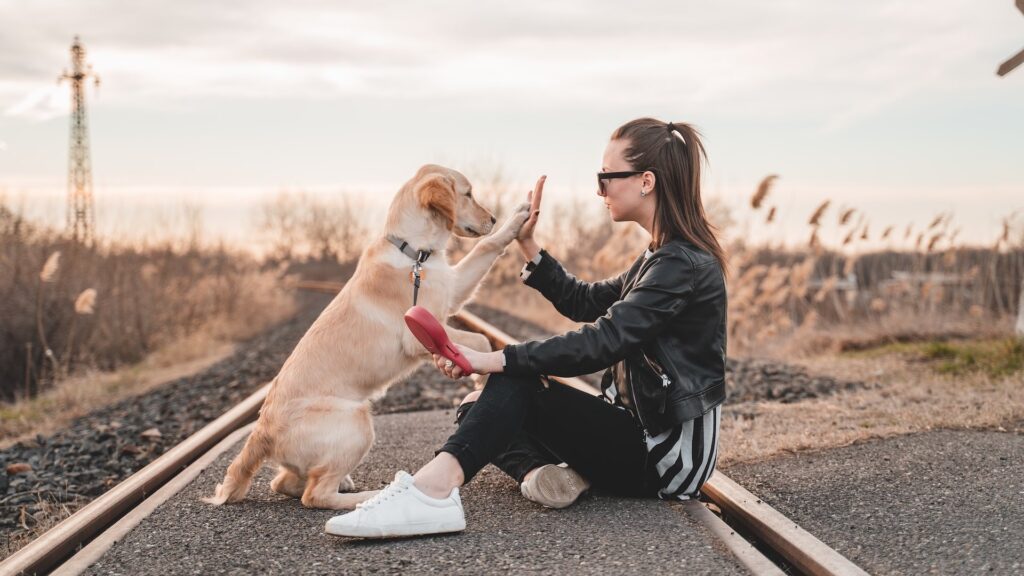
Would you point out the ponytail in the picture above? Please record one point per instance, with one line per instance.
(674, 152)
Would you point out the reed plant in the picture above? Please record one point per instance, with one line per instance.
(845, 288)
(67, 307)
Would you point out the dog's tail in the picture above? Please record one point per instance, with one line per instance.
(239, 476)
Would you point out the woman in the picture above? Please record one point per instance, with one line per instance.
(659, 328)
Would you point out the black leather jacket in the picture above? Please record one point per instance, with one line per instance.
(664, 319)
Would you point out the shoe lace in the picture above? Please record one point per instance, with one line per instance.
(387, 493)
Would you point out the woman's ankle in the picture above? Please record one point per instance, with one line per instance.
(530, 474)
(439, 476)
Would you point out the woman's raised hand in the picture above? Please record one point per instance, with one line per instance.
(525, 237)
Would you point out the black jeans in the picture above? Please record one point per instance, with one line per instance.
(522, 422)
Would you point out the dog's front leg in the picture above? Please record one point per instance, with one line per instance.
(475, 265)
(474, 340)
(412, 347)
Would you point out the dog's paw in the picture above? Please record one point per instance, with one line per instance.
(219, 497)
(511, 226)
(347, 484)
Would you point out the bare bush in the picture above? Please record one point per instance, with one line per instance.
(837, 294)
(66, 306)
(298, 225)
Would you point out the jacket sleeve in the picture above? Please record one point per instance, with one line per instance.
(662, 291)
(575, 299)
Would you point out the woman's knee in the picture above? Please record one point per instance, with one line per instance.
(518, 381)
(471, 397)
(466, 405)
(502, 388)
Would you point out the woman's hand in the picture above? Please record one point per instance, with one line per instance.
(482, 362)
(525, 238)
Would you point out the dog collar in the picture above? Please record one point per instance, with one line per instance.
(419, 256)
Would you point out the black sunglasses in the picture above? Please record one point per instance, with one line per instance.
(602, 176)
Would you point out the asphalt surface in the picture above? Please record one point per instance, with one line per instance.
(272, 534)
(939, 502)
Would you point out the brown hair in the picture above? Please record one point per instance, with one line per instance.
(654, 145)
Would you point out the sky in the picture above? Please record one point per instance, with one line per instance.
(890, 107)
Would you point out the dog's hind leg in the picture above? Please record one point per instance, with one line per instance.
(288, 483)
(322, 492)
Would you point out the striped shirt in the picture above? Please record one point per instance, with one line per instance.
(683, 457)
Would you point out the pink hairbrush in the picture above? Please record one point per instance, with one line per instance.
(431, 334)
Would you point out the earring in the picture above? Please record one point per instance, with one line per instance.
(643, 192)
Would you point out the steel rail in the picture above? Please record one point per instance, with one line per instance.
(58, 543)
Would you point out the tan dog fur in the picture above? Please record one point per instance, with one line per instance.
(315, 422)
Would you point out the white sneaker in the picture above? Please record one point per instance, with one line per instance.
(554, 486)
(400, 509)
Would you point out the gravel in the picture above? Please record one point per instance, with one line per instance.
(97, 451)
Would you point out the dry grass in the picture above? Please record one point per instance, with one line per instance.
(865, 334)
(69, 308)
(931, 322)
(49, 514)
(908, 396)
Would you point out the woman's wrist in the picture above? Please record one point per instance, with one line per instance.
(497, 361)
(529, 248)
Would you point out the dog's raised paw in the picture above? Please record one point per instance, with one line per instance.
(510, 228)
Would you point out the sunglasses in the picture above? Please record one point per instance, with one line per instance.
(603, 176)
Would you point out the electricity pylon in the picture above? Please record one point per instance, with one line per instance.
(80, 211)
(1016, 59)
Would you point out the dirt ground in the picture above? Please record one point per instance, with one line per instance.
(904, 395)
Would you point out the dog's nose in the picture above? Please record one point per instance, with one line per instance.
(493, 219)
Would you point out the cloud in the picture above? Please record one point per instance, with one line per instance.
(833, 64)
(41, 104)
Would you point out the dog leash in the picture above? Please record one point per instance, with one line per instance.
(418, 257)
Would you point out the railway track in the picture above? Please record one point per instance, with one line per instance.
(75, 543)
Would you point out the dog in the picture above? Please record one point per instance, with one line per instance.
(315, 422)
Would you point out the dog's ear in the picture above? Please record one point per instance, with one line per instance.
(437, 192)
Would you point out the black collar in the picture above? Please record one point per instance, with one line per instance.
(417, 255)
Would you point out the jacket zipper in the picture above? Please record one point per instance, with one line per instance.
(636, 405)
(665, 380)
(632, 390)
